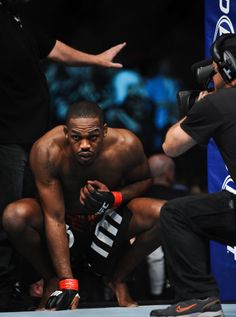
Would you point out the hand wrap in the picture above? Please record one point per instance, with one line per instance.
(100, 201)
(67, 297)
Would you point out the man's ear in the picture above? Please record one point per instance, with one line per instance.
(65, 129)
(105, 127)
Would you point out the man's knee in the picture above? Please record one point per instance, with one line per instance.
(15, 216)
(172, 211)
(147, 208)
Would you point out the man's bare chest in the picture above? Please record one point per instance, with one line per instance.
(74, 179)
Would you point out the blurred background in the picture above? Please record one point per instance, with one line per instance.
(164, 38)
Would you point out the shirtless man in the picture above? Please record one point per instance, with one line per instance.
(86, 169)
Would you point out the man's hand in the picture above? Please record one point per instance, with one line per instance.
(203, 94)
(67, 297)
(106, 58)
(97, 198)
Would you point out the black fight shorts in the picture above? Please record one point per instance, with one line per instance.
(102, 239)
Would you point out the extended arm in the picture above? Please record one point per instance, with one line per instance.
(72, 57)
(52, 203)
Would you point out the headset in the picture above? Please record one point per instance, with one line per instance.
(224, 59)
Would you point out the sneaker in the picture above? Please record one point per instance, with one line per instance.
(209, 307)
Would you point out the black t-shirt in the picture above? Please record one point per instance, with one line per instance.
(24, 97)
(215, 117)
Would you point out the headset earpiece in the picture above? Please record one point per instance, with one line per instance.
(225, 60)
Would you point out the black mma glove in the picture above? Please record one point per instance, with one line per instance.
(67, 297)
(98, 201)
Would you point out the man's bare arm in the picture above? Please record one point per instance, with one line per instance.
(70, 56)
(51, 199)
(138, 177)
(177, 141)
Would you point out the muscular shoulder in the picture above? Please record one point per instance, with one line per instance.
(127, 144)
(126, 139)
(48, 149)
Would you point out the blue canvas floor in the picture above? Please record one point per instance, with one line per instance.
(141, 311)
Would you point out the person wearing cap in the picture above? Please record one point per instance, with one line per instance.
(188, 223)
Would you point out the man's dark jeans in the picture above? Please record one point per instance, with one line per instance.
(13, 168)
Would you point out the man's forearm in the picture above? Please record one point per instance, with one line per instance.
(136, 189)
(177, 124)
(177, 141)
(58, 247)
(70, 56)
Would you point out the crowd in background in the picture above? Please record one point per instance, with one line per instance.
(145, 105)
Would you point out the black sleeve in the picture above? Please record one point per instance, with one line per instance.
(39, 38)
(202, 121)
(45, 43)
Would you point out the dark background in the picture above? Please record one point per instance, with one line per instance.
(153, 29)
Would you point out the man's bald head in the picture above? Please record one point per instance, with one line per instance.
(162, 169)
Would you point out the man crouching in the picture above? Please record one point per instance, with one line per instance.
(90, 179)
